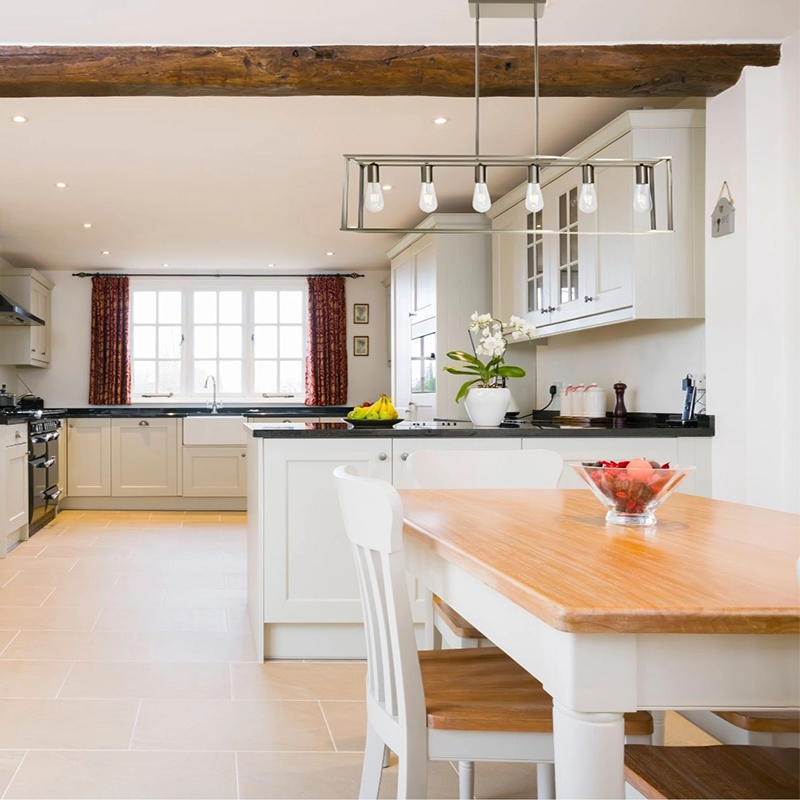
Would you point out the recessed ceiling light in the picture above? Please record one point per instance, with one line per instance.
(61, 185)
(87, 224)
(387, 188)
(270, 265)
(19, 118)
(441, 121)
(165, 265)
(106, 252)
(330, 254)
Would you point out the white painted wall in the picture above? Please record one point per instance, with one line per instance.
(369, 376)
(66, 383)
(752, 332)
(650, 356)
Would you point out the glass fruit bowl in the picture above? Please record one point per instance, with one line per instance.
(631, 490)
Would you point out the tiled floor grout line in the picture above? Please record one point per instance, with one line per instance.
(325, 720)
(13, 777)
(236, 773)
(41, 605)
(135, 722)
(8, 644)
(66, 678)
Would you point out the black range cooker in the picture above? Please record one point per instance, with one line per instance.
(44, 431)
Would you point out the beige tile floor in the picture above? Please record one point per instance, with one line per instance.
(127, 671)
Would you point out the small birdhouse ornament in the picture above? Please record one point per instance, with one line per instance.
(723, 218)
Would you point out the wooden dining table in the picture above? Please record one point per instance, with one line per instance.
(701, 611)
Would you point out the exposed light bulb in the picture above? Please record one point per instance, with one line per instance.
(642, 198)
(373, 195)
(19, 118)
(428, 202)
(587, 202)
(534, 200)
(481, 199)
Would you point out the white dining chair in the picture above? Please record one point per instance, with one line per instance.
(451, 705)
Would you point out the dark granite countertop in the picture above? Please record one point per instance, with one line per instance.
(13, 420)
(640, 426)
(129, 412)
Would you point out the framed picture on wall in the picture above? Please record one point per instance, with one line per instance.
(361, 345)
(361, 313)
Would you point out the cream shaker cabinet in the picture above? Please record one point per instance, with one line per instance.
(437, 283)
(563, 281)
(89, 457)
(27, 346)
(15, 515)
(214, 472)
(144, 457)
(307, 558)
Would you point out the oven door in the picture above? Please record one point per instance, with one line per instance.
(38, 464)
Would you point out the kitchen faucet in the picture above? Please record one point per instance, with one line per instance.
(214, 406)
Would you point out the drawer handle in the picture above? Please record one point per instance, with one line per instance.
(588, 299)
(382, 456)
(144, 424)
(17, 435)
(404, 456)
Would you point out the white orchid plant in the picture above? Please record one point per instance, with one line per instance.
(492, 343)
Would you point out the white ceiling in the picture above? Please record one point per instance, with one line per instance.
(299, 22)
(239, 183)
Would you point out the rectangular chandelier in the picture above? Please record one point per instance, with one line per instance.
(362, 175)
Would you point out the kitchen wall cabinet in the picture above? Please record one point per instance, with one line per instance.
(214, 472)
(564, 282)
(437, 283)
(89, 457)
(144, 457)
(14, 518)
(27, 346)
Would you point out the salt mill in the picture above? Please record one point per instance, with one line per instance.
(620, 412)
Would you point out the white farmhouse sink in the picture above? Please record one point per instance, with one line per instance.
(214, 429)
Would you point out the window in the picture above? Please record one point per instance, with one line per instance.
(251, 339)
(423, 363)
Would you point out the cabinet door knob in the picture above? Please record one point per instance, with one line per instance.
(144, 424)
(404, 456)
(544, 311)
(382, 456)
(244, 455)
(71, 425)
(588, 299)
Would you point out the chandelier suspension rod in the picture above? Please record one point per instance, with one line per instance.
(477, 80)
(536, 70)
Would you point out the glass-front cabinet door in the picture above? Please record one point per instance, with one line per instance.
(568, 257)
(536, 292)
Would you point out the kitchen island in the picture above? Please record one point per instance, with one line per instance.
(303, 597)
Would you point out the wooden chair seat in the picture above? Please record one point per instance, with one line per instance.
(763, 721)
(455, 621)
(485, 690)
(723, 771)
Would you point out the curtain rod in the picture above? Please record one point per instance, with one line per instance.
(213, 275)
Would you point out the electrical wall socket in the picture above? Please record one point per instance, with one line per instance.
(558, 384)
(699, 379)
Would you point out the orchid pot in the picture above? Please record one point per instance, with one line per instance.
(487, 398)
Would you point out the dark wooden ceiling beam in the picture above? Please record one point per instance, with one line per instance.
(629, 70)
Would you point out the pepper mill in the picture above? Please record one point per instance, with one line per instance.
(620, 412)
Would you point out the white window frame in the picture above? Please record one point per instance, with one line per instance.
(248, 288)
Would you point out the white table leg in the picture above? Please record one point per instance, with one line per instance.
(589, 752)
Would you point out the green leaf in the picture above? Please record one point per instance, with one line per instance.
(464, 371)
(460, 355)
(511, 372)
(462, 392)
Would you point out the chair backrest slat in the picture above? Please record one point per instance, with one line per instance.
(486, 469)
(373, 519)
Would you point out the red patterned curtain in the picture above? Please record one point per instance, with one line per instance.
(110, 368)
(326, 358)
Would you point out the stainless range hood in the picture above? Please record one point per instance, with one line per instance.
(13, 314)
